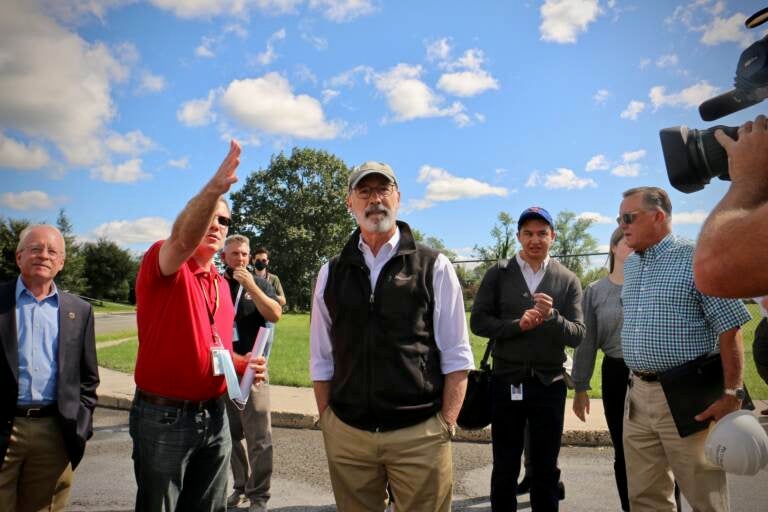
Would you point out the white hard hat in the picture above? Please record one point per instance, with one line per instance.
(737, 444)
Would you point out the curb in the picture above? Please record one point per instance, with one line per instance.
(286, 419)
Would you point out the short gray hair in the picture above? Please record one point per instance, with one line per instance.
(27, 230)
(653, 197)
(237, 239)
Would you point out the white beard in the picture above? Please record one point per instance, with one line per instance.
(376, 224)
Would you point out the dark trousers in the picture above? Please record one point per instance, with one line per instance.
(542, 407)
(615, 376)
(760, 349)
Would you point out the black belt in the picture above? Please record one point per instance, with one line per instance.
(646, 376)
(164, 401)
(37, 411)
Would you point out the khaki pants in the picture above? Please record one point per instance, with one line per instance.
(416, 461)
(654, 451)
(36, 474)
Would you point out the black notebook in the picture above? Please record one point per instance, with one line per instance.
(692, 387)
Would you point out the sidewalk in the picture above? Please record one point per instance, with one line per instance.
(295, 408)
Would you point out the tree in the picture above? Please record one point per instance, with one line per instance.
(71, 277)
(572, 238)
(503, 236)
(108, 268)
(296, 208)
(593, 275)
(10, 229)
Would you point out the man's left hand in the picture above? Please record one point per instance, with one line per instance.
(725, 405)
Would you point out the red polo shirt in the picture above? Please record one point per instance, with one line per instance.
(175, 335)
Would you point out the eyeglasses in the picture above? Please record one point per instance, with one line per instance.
(628, 217)
(37, 250)
(366, 192)
(223, 221)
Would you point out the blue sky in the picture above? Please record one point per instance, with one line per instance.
(118, 111)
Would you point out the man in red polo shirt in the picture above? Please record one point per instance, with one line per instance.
(181, 440)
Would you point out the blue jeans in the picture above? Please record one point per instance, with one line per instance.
(180, 457)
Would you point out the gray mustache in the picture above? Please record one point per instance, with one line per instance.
(376, 209)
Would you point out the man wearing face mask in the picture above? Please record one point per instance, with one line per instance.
(260, 263)
(255, 304)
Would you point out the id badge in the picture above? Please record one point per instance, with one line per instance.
(216, 361)
(516, 392)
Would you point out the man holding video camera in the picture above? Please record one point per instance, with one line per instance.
(668, 323)
(732, 252)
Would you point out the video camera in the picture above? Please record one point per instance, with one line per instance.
(693, 157)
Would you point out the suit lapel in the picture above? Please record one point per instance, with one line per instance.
(67, 322)
(8, 327)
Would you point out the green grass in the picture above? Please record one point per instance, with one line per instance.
(113, 307)
(120, 335)
(289, 362)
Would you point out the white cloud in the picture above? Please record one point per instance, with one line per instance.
(268, 104)
(694, 217)
(533, 180)
(598, 163)
(644, 63)
(349, 77)
(409, 98)
(633, 110)
(305, 74)
(42, 89)
(28, 200)
(210, 8)
(467, 83)
(601, 96)
(179, 163)
(17, 155)
(343, 10)
(596, 218)
(204, 49)
(197, 112)
(268, 56)
(563, 20)
(77, 11)
(151, 83)
(730, 30)
(443, 186)
(626, 170)
(329, 94)
(566, 178)
(667, 61)
(140, 231)
(132, 143)
(439, 51)
(127, 172)
(687, 98)
(632, 156)
(705, 17)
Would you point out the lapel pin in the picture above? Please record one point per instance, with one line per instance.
(71, 315)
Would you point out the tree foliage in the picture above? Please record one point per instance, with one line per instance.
(503, 246)
(71, 278)
(572, 238)
(10, 229)
(108, 269)
(296, 208)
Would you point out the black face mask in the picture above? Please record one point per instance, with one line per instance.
(260, 265)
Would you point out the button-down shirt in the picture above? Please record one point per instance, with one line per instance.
(667, 321)
(37, 329)
(450, 321)
(532, 278)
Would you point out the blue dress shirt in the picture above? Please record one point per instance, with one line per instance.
(37, 329)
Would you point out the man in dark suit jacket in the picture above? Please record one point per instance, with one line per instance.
(48, 377)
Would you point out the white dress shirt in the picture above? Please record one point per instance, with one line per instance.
(449, 318)
(532, 278)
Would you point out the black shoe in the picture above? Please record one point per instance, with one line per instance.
(524, 486)
(560, 491)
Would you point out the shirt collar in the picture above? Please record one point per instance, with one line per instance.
(524, 264)
(198, 271)
(658, 249)
(392, 244)
(22, 288)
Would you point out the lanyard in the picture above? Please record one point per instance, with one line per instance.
(237, 298)
(212, 311)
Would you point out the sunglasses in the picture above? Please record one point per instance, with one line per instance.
(223, 221)
(629, 217)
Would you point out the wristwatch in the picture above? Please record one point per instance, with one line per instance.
(737, 392)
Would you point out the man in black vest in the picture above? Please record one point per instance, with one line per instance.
(531, 308)
(255, 304)
(389, 357)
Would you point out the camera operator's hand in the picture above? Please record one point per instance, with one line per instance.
(748, 156)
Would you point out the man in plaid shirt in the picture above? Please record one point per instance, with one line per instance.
(668, 322)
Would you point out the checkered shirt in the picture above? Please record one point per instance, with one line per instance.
(667, 321)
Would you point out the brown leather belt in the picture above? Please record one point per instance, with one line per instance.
(646, 376)
(164, 401)
(37, 411)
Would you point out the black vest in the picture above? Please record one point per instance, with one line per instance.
(386, 362)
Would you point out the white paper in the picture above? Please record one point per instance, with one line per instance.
(259, 344)
(225, 361)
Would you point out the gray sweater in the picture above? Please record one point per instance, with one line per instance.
(603, 316)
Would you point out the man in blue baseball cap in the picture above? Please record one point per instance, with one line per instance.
(530, 308)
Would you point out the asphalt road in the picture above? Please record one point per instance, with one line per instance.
(105, 324)
(104, 481)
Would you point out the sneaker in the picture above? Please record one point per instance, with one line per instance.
(524, 486)
(560, 491)
(257, 507)
(236, 499)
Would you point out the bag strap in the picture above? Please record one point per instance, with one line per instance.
(502, 264)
